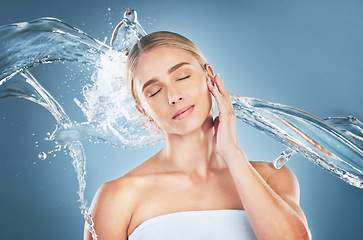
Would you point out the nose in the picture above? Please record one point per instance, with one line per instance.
(174, 97)
(173, 102)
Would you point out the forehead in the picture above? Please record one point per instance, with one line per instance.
(158, 61)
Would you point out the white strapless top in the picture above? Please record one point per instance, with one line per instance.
(228, 224)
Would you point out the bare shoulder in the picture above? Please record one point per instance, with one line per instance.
(269, 172)
(122, 188)
(283, 181)
(114, 203)
(112, 208)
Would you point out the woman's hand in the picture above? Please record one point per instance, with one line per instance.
(225, 137)
(279, 197)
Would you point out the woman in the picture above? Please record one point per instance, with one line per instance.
(200, 185)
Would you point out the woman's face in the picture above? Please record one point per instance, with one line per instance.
(169, 81)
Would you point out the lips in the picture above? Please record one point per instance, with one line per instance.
(183, 112)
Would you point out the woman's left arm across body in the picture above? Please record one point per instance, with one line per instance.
(272, 206)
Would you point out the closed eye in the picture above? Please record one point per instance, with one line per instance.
(177, 80)
(183, 78)
(155, 93)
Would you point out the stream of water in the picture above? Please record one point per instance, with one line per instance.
(335, 143)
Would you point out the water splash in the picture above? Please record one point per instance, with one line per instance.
(127, 32)
(42, 156)
(47, 40)
(283, 158)
(44, 40)
(335, 144)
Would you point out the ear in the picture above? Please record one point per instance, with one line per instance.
(209, 70)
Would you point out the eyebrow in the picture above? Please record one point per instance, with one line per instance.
(172, 69)
(175, 67)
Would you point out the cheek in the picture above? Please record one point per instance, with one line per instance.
(203, 88)
(202, 93)
(200, 84)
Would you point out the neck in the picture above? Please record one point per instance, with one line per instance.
(193, 153)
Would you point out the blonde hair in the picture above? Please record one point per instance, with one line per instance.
(154, 40)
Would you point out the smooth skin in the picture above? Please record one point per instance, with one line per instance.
(201, 166)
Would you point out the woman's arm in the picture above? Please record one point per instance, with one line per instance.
(272, 206)
(111, 210)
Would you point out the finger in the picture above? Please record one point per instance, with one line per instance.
(221, 86)
(216, 80)
(223, 98)
(214, 90)
(223, 90)
(210, 78)
(226, 97)
(221, 101)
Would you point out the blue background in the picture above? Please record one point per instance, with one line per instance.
(306, 54)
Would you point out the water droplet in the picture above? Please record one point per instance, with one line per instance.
(42, 155)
